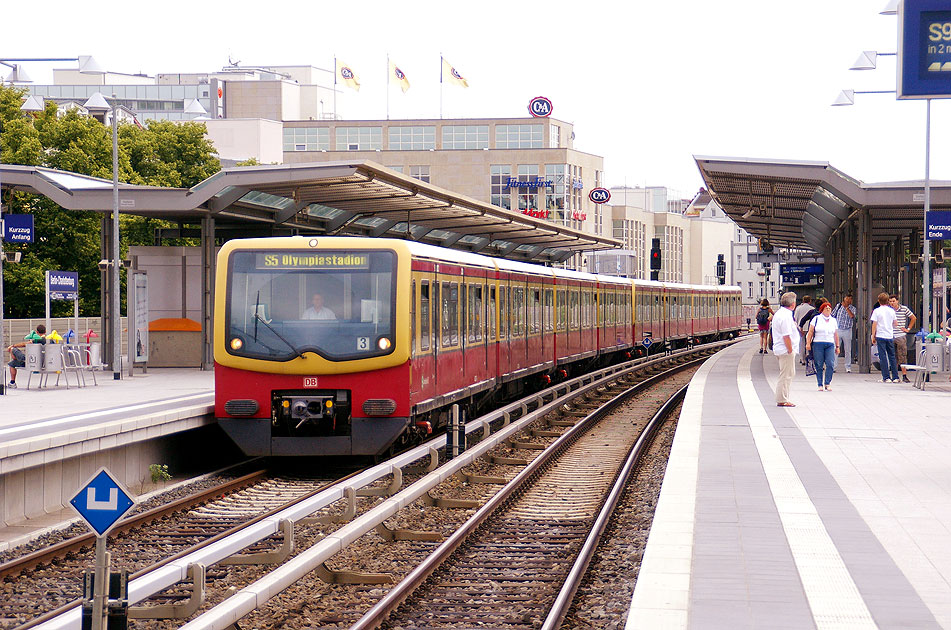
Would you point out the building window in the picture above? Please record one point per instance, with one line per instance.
(518, 136)
(527, 196)
(555, 201)
(555, 136)
(420, 172)
(306, 139)
(359, 138)
(501, 193)
(412, 138)
(751, 289)
(465, 137)
(398, 169)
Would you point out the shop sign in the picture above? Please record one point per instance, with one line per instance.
(599, 195)
(514, 182)
(540, 107)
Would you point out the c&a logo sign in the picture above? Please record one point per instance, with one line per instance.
(540, 107)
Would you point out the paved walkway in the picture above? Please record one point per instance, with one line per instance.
(22, 405)
(832, 514)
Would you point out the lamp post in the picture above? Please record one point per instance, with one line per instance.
(97, 103)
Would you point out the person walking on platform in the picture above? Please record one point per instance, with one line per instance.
(763, 317)
(844, 314)
(823, 339)
(800, 314)
(786, 339)
(883, 336)
(904, 322)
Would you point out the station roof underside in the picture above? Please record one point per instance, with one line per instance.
(332, 198)
(803, 204)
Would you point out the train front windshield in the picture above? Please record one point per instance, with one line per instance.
(337, 304)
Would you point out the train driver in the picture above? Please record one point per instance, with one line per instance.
(318, 310)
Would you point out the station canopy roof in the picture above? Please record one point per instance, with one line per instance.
(802, 204)
(353, 198)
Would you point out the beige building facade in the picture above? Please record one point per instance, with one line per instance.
(527, 165)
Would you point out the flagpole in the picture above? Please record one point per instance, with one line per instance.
(335, 87)
(440, 85)
(387, 86)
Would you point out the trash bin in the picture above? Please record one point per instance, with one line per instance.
(53, 358)
(34, 357)
(934, 356)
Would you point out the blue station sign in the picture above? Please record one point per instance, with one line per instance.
(63, 285)
(802, 274)
(939, 225)
(102, 501)
(924, 49)
(18, 228)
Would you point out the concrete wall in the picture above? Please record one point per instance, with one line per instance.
(240, 139)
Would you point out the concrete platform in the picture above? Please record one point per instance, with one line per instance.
(833, 514)
(53, 439)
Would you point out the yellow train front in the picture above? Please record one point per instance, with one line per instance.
(312, 345)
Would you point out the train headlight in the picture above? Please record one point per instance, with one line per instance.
(384, 343)
(236, 343)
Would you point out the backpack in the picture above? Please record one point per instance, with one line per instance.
(804, 322)
(762, 317)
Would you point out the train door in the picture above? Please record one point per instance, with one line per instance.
(424, 363)
(473, 327)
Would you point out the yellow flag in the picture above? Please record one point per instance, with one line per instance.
(452, 75)
(347, 76)
(399, 76)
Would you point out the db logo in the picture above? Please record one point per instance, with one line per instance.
(599, 195)
(310, 381)
(540, 107)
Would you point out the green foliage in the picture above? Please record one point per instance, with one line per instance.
(162, 154)
(159, 473)
(248, 162)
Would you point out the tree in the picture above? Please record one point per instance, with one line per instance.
(161, 154)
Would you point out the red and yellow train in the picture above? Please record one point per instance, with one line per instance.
(351, 346)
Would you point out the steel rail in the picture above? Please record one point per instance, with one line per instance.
(572, 582)
(399, 593)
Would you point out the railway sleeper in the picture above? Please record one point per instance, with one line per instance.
(332, 576)
(545, 433)
(528, 446)
(390, 535)
(447, 503)
(196, 571)
(268, 557)
(508, 461)
(473, 479)
(350, 496)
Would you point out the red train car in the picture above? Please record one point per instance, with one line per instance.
(353, 346)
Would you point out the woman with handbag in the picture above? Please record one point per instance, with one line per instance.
(822, 339)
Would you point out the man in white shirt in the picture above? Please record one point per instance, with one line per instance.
(786, 338)
(883, 336)
(318, 310)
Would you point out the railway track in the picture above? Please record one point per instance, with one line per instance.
(360, 568)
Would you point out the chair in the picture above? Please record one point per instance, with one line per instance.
(920, 369)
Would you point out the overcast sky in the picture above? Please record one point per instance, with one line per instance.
(647, 85)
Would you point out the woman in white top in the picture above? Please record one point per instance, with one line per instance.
(823, 339)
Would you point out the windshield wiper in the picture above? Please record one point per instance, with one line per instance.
(257, 316)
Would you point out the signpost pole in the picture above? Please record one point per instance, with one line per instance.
(100, 586)
(925, 243)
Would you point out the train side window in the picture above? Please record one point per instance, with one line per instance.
(492, 318)
(574, 307)
(424, 319)
(536, 310)
(518, 311)
(450, 314)
(503, 312)
(561, 308)
(549, 310)
(474, 313)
